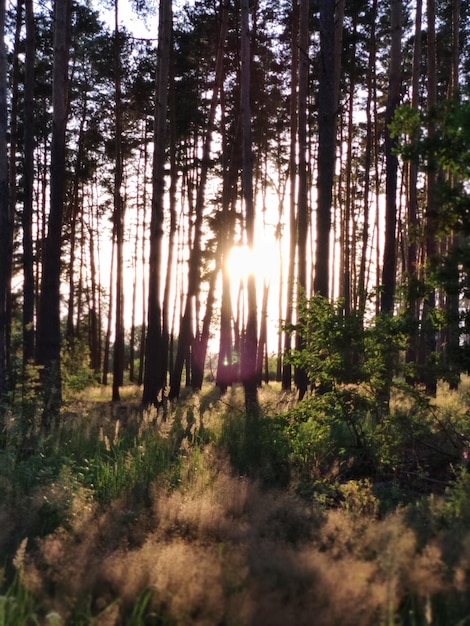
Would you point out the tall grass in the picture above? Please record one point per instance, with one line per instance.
(127, 465)
(17, 606)
(208, 518)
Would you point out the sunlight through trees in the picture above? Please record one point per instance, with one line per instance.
(140, 163)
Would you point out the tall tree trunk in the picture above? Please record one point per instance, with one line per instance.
(48, 328)
(412, 252)
(155, 361)
(166, 308)
(12, 174)
(286, 367)
(143, 335)
(300, 376)
(362, 283)
(327, 112)
(118, 353)
(454, 82)
(28, 182)
(391, 164)
(248, 354)
(391, 167)
(431, 217)
(452, 304)
(302, 197)
(349, 237)
(6, 222)
(333, 267)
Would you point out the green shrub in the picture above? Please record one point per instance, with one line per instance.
(339, 349)
(76, 372)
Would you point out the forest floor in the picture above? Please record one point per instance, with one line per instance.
(188, 517)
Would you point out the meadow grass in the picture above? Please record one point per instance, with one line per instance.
(197, 516)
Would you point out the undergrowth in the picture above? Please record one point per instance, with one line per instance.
(309, 513)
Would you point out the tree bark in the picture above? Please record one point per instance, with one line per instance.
(391, 164)
(327, 112)
(6, 222)
(286, 367)
(154, 359)
(94, 318)
(412, 207)
(135, 274)
(143, 334)
(362, 292)
(28, 178)
(300, 376)
(348, 238)
(250, 339)
(166, 308)
(12, 175)
(431, 217)
(49, 330)
(453, 299)
(118, 352)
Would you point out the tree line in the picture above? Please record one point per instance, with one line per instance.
(341, 128)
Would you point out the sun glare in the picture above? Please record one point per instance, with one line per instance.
(241, 263)
(260, 261)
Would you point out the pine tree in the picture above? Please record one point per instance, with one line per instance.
(6, 222)
(49, 330)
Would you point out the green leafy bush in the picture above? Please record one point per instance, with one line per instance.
(76, 372)
(341, 349)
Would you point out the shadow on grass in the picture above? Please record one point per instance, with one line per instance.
(258, 447)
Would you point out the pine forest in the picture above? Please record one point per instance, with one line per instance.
(234, 312)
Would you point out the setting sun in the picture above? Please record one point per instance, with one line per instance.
(260, 261)
(241, 262)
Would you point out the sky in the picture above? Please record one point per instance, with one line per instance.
(140, 26)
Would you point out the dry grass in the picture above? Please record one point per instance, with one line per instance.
(221, 550)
